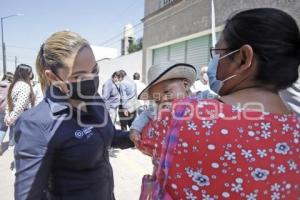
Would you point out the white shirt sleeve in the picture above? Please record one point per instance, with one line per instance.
(21, 100)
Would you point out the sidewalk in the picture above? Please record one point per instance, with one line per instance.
(7, 175)
(129, 167)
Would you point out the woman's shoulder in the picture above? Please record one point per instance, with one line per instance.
(38, 116)
(195, 99)
(33, 129)
(197, 104)
(21, 85)
(216, 109)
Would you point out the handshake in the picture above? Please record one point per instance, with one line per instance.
(135, 137)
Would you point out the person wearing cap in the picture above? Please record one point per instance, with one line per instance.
(167, 81)
(246, 144)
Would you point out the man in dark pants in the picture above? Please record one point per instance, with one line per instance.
(127, 109)
(111, 95)
(126, 118)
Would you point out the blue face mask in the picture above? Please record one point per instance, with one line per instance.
(215, 84)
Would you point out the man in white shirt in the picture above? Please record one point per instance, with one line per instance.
(140, 86)
(291, 96)
(127, 109)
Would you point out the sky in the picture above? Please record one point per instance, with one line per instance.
(100, 22)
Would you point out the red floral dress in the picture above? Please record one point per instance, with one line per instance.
(226, 152)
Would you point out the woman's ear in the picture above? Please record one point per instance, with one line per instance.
(50, 75)
(52, 78)
(55, 81)
(246, 57)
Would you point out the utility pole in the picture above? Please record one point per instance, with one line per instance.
(2, 37)
(3, 48)
(16, 62)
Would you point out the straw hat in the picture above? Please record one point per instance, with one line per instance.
(166, 71)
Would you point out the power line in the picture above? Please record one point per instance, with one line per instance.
(24, 57)
(117, 36)
(118, 41)
(122, 14)
(115, 39)
(20, 61)
(9, 59)
(19, 47)
(26, 48)
(151, 24)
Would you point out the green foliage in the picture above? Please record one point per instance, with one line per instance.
(135, 45)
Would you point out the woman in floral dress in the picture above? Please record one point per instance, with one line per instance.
(244, 145)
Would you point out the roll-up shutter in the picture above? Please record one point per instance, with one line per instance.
(198, 51)
(177, 52)
(160, 55)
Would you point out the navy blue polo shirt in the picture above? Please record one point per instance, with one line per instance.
(62, 152)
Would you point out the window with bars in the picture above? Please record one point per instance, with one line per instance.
(165, 2)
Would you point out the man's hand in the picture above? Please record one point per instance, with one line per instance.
(126, 113)
(7, 121)
(135, 137)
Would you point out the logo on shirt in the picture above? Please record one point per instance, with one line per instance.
(79, 134)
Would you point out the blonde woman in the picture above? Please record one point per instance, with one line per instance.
(62, 143)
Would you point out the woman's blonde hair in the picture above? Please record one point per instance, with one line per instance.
(55, 52)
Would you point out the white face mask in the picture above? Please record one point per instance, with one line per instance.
(116, 81)
(214, 83)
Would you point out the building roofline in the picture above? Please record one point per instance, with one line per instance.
(161, 9)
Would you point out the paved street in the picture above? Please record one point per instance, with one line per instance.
(129, 167)
(7, 176)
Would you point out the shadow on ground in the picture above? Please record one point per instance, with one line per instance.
(113, 152)
(4, 147)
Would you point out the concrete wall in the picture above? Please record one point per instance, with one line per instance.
(104, 52)
(192, 16)
(188, 17)
(151, 6)
(131, 63)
